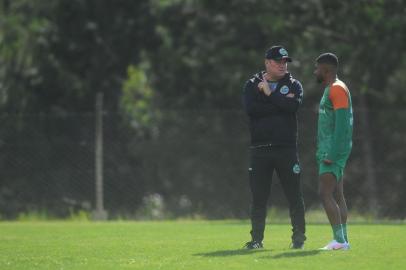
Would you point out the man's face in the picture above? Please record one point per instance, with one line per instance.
(276, 68)
(319, 72)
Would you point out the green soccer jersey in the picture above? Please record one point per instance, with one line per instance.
(335, 124)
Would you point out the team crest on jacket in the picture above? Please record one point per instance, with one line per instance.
(284, 90)
(296, 169)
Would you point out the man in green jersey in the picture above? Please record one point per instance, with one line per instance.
(334, 143)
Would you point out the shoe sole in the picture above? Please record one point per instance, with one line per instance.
(333, 249)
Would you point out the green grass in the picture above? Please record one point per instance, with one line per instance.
(191, 245)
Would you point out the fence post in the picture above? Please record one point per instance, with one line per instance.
(99, 213)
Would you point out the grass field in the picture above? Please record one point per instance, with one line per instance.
(191, 245)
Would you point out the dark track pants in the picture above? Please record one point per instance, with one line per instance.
(263, 162)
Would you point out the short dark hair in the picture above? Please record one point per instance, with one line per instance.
(328, 58)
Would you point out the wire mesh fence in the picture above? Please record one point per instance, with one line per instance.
(186, 163)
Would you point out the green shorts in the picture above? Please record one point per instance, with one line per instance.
(335, 169)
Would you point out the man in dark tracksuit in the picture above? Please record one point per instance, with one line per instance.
(271, 100)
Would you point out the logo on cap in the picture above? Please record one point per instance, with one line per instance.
(283, 52)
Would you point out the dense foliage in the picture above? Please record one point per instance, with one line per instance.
(171, 72)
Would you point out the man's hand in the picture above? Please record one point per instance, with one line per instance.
(264, 86)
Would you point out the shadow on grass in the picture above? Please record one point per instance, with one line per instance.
(293, 254)
(232, 252)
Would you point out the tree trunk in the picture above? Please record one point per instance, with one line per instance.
(367, 153)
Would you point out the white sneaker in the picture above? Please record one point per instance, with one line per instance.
(334, 245)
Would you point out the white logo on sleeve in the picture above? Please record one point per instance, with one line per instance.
(296, 169)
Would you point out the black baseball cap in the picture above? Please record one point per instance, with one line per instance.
(277, 53)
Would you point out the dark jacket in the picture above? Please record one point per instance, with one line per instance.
(273, 118)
